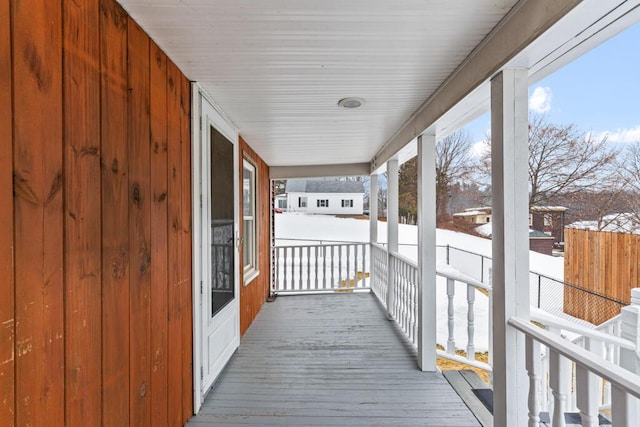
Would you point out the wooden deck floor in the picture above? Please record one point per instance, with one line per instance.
(328, 360)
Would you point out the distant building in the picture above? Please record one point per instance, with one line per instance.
(614, 223)
(323, 196)
(481, 215)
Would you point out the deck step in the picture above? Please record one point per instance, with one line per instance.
(479, 398)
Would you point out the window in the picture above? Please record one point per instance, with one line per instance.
(282, 204)
(347, 203)
(323, 203)
(249, 230)
(302, 202)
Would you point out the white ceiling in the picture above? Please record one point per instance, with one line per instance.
(278, 68)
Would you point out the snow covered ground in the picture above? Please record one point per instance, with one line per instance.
(295, 228)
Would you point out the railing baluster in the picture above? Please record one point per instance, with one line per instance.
(533, 370)
(340, 266)
(622, 408)
(332, 270)
(355, 265)
(284, 268)
(587, 396)
(308, 267)
(471, 297)
(558, 374)
(315, 252)
(451, 344)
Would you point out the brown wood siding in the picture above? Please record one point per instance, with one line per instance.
(603, 262)
(95, 228)
(7, 309)
(256, 292)
(83, 260)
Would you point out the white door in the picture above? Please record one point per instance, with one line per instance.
(218, 324)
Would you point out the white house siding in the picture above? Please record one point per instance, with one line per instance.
(335, 203)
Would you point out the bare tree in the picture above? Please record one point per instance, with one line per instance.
(563, 161)
(452, 166)
(630, 172)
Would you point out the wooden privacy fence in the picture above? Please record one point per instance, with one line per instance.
(603, 263)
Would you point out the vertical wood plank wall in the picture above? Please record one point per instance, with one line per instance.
(603, 262)
(95, 220)
(256, 292)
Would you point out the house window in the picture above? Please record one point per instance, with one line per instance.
(249, 228)
(302, 202)
(282, 204)
(323, 203)
(347, 203)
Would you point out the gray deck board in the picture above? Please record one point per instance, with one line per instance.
(328, 360)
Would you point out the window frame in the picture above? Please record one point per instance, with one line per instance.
(347, 203)
(250, 233)
(322, 203)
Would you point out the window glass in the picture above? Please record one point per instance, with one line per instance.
(249, 230)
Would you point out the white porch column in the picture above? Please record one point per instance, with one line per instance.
(427, 252)
(510, 235)
(392, 227)
(373, 208)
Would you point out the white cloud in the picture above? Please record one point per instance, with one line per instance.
(478, 149)
(619, 135)
(540, 99)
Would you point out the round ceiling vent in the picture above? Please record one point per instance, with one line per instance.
(351, 103)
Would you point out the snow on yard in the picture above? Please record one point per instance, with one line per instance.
(296, 228)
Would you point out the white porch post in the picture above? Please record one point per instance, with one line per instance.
(392, 227)
(509, 153)
(427, 252)
(373, 208)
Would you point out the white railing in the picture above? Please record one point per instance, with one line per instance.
(379, 267)
(340, 267)
(589, 369)
(401, 274)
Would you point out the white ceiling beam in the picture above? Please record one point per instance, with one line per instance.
(318, 171)
(524, 23)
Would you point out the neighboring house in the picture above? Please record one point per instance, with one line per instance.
(538, 241)
(547, 219)
(325, 196)
(481, 215)
(615, 223)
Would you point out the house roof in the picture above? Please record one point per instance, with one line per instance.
(323, 186)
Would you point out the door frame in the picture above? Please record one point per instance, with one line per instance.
(223, 125)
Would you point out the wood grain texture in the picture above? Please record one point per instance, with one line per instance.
(174, 262)
(38, 188)
(255, 293)
(7, 307)
(159, 250)
(115, 214)
(186, 262)
(329, 360)
(83, 293)
(603, 262)
(140, 201)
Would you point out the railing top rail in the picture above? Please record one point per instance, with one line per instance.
(545, 318)
(404, 259)
(622, 378)
(379, 246)
(451, 273)
(321, 240)
(319, 246)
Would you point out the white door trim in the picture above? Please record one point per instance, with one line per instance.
(226, 128)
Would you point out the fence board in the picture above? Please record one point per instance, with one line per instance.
(186, 288)
(38, 182)
(603, 262)
(83, 314)
(7, 308)
(174, 329)
(115, 214)
(159, 273)
(139, 224)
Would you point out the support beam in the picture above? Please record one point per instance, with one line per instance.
(509, 153)
(427, 252)
(392, 228)
(373, 208)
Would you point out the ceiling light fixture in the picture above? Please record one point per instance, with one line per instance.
(351, 103)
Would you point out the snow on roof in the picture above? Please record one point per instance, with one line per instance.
(470, 213)
(547, 209)
(486, 230)
(323, 186)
